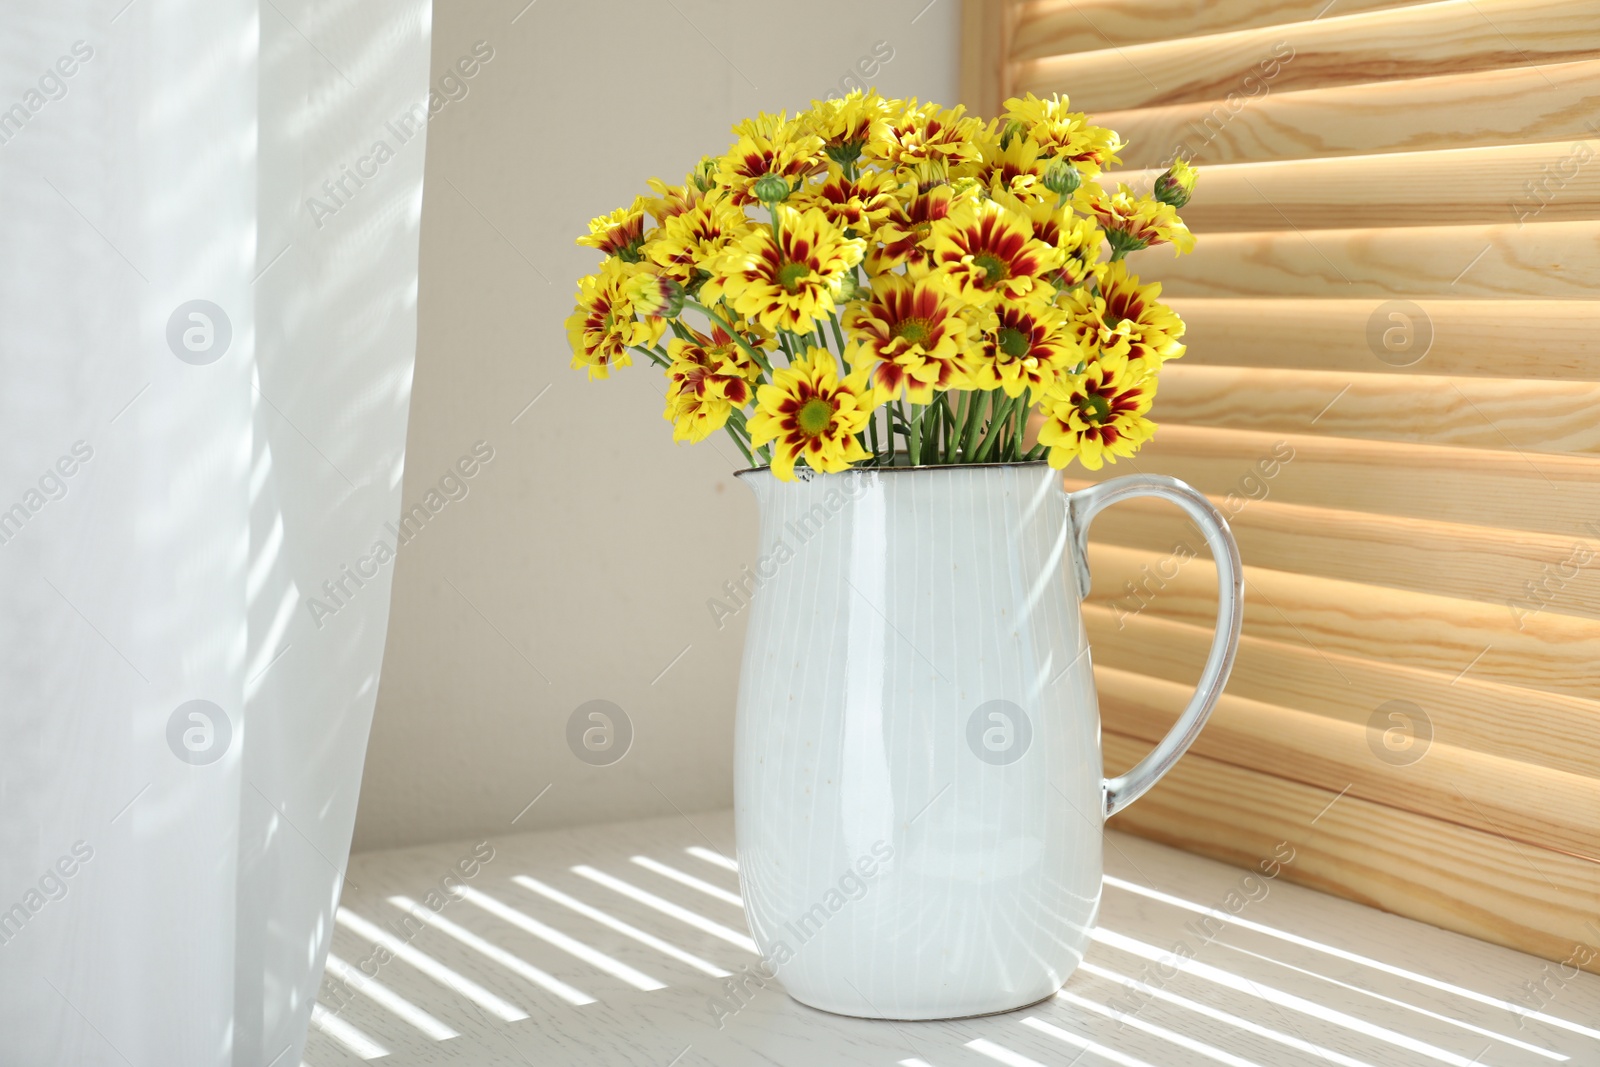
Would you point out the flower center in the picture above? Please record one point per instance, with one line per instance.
(914, 331)
(1013, 342)
(790, 275)
(815, 416)
(994, 271)
(1095, 408)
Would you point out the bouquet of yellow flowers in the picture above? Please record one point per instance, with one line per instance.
(954, 265)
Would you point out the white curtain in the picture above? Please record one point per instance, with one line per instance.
(208, 280)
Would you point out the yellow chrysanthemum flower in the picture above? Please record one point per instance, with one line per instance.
(906, 235)
(787, 282)
(670, 200)
(984, 252)
(689, 242)
(928, 142)
(1074, 236)
(1063, 133)
(859, 204)
(708, 379)
(809, 413)
(1133, 222)
(910, 336)
(848, 123)
(1121, 317)
(619, 233)
(1023, 346)
(1098, 415)
(769, 144)
(603, 326)
(1017, 168)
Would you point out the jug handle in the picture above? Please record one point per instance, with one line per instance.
(1082, 506)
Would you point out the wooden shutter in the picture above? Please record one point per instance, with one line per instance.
(1392, 388)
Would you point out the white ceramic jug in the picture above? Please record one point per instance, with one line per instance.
(918, 784)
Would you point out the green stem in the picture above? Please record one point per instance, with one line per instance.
(999, 410)
(1019, 425)
(969, 435)
(958, 423)
(737, 418)
(838, 335)
(914, 438)
(986, 436)
(658, 360)
(733, 432)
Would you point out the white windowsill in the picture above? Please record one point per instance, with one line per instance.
(1294, 977)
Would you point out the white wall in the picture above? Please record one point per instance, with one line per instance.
(579, 562)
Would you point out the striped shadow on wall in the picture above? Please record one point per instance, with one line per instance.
(1393, 388)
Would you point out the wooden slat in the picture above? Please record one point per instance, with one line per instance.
(1550, 652)
(1420, 523)
(1520, 571)
(1556, 338)
(1549, 494)
(1536, 416)
(1480, 884)
(1556, 103)
(1544, 729)
(1558, 260)
(1061, 27)
(1452, 187)
(986, 36)
(1451, 37)
(1534, 805)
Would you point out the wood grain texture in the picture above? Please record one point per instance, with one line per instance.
(1450, 337)
(1061, 27)
(1549, 652)
(985, 82)
(1533, 415)
(1467, 712)
(1454, 877)
(1451, 37)
(1387, 761)
(1544, 182)
(1389, 389)
(1559, 260)
(1521, 572)
(1549, 494)
(1555, 103)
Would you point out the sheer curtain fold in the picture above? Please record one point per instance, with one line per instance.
(207, 330)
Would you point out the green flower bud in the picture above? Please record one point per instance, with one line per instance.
(1062, 178)
(1176, 185)
(771, 189)
(656, 296)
